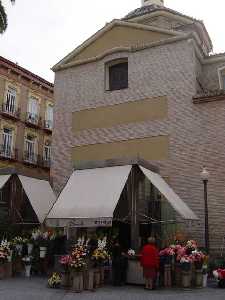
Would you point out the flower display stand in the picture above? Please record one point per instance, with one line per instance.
(177, 275)
(2, 271)
(78, 283)
(167, 276)
(102, 275)
(97, 278)
(8, 270)
(66, 280)
(17, 266)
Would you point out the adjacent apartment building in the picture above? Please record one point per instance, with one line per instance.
(26, 123)
(148, 86)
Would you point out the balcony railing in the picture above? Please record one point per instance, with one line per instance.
(30, 158)
(32, 119)
(48, 125)
(11, 111)
(8, 153)
(46, 163)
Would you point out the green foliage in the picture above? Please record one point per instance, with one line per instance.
(3, 17)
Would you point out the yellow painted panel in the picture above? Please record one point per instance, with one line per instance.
(120, 36)
(130, 112)
(153, 148)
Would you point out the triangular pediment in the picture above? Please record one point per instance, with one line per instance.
(117, 35)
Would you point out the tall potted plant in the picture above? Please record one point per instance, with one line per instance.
(77, 265)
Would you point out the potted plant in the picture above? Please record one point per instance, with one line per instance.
(27, 260)
(54, 281)
(77, 266)
(186, 277)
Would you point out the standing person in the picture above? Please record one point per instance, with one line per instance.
(150, 262)
(117, 263)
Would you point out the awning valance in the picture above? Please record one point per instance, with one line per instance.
(3, 180)
(89, 197)
(179, 205)
(40, 195)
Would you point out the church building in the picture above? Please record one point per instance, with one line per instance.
(147, 86)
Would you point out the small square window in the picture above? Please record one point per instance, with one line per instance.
(117, 75)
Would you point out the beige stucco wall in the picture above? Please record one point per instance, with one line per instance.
(120, 36)
(124, 113)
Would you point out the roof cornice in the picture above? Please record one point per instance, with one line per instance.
(171, 40)
(63, 63)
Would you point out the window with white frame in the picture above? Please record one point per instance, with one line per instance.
(33, 110)
(47, 151)
(30, 149)
(10, 101)
(7, 142)
(49, 117)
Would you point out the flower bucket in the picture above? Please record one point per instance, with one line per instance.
(27, 271)
(186, 279)
(43, 251)
(205, 279)
(186, 266)
(2, 271)
(19, 249)
(10, 256)
(198, 278)
(30, 249)
(78, 284)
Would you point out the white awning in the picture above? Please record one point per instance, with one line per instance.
(89, 197)
(3, 180)
(40, 195)
(174, 200)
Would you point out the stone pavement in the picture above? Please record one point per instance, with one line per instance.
(35, 289)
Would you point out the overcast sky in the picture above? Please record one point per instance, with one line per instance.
(41, 32)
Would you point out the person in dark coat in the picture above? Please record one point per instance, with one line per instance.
(119, 265)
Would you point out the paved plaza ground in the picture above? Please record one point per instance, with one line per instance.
(35, 289)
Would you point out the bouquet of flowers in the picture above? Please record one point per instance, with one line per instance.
(78, 256)
(18, 240)
(100, 256)
(54, 281)
(131, 252)
(198, 258)
(219, 275)
(65, 261)
(4, 253)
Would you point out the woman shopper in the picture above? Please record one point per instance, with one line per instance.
(150, 263)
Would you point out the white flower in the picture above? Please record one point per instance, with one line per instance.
(216, 274)
(131, 252)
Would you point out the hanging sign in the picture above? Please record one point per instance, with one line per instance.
(92, 222)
